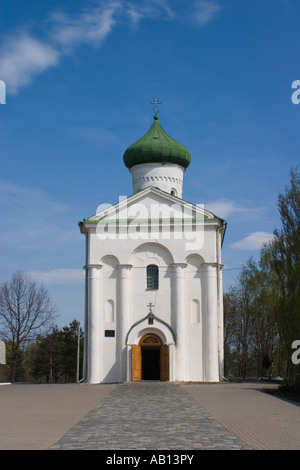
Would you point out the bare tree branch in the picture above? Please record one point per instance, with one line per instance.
(25, 308)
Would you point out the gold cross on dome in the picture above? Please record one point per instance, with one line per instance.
(156, 102)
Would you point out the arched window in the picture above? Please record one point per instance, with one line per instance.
(110, 314)
(152, 276)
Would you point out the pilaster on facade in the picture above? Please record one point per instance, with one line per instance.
(212, 333)
(215, 270)
(179, 302)
(123, 317)
(221, 320)
(94, 318)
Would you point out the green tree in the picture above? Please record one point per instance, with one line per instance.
(264, 332)
(25, 308)
(69, 350)
(238, 319)
(231, 339)
(250, 331)
(54, 357)
(286, 266)
(45, 356)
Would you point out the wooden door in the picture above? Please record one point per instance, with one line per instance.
(136, 363)
(164, 362)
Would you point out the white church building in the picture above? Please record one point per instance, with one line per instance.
(154, 299)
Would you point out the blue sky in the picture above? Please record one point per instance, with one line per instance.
(80, 77)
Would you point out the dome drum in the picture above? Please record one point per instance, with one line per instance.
(167, 177)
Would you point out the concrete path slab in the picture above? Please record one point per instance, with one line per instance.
(33, 417)
(176, 416)
(263, 421)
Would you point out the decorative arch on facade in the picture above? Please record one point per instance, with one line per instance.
(151, 253)
(195, 265)
(141, 327)
(110, 261)
(195, 260)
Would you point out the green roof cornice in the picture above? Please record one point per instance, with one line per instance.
(105, 220)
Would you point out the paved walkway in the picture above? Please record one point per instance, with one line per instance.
(149, 416)
(146, 415)
(263, 421)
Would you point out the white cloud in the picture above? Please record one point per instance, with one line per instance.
(154, 9)
(253, 241)
(226, 208)
(91, 27)
(22, 58)
(199, 12)
(205, 11)
(59, 276)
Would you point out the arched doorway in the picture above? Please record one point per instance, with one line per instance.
(150, 359)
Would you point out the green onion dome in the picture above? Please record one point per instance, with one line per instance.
(156, 147)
